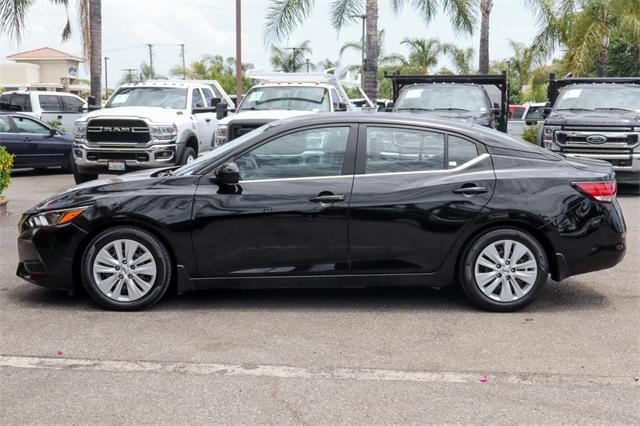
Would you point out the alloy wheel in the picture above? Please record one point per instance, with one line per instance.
(506, 270)
(124, 270)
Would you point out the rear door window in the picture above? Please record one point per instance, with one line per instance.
(50, 103)
(71, 104)
(16, 102)
(397, 150)
(460, 151)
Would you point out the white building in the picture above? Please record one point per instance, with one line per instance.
(42, 69)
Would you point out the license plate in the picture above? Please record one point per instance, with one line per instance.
(116, 165)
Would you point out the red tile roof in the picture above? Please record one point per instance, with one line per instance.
(44, 53)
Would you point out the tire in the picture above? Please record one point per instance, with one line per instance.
(187, 153)
(121, 288)
(82, 177)
(504, 289)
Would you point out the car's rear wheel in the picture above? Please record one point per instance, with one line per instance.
(503, 270)
(126, 269)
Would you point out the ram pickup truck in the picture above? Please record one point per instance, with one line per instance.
(597, 118)
(456, 97)
(283, 95)
(147, 125)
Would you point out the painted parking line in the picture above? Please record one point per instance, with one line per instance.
(289, 372)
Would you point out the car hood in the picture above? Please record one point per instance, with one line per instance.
(595, 118)
(87, 193)
(263, 116)
(154, 114)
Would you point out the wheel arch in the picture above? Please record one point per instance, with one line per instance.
(554, 267)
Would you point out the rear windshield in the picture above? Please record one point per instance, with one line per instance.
(15, 102)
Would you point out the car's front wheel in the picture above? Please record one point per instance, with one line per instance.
(126, 269)
(503, 270)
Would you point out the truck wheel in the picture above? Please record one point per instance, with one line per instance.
(188, 155)
(82, 177)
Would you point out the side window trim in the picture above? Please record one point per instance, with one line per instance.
(348, 164)
(361, 158)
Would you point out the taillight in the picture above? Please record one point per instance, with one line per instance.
(604, 191)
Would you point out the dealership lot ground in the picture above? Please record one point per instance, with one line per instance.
(319, 356)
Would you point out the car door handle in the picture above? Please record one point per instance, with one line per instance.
(327, 199)
(208, 120)
(470, 190)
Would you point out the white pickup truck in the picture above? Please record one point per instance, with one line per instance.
(283, 95)
(147, 125)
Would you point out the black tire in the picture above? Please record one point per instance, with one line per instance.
(186, 153)
(82, 177)
(474, 249)
(155, 248)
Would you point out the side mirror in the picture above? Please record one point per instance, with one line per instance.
(215, 102)
(495, 111)
(221, 110)
(530, 122)
(53, 132)
(389, 107)
(227, 174)
(546, 111)
(340, 106)
(92, 103)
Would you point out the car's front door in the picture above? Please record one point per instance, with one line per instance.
(40, 147)
(413, 194)
(288, 214)
(204, 121)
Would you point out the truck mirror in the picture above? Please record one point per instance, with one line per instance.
(221, 110)
(389, 107)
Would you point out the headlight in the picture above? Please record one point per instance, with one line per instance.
(548, 136)
(221, 134)
(164, 132)
(80, 131)
(51, 218)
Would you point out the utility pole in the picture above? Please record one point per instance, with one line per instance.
(130, 71)
(238, 52)
(184, 66)
(307, 65)
(150, 46)
(106, 79)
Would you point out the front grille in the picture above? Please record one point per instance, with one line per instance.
(95, 156)
(118, 131)
(239, 129)
(588, 138)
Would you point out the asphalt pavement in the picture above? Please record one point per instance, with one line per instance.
(357, 356)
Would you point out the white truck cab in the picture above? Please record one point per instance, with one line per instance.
(283, 95)
(60, 109)
(157, 123)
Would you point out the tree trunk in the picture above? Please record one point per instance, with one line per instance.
(95, 55)
(602, 63)
(485, 11)
(371, 64)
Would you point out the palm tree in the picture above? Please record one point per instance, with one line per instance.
(423, 54)
(485, 12)
(285, 15)
(12, 21)
(461, 58)
(356, 46)
(585, 28)
(290, 59)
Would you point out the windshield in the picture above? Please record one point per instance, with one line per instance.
(443, 97)
(600, 97)
(163, 97)
(287, 98)
(204, 160)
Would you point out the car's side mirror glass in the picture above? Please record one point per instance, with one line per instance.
(227, 174)
(53, 132)
(221, 110)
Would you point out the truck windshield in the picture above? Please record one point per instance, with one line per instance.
(163, 97)
(603, 97)
(443, 97)
(287, 98)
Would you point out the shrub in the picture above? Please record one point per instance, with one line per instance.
(6, 162)
(55, 123)
(530, 134)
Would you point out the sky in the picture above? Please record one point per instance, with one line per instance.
(208, 27)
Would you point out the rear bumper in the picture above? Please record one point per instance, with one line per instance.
(46, 255)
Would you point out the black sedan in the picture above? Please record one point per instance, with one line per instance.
(334, 200)
(34, 143)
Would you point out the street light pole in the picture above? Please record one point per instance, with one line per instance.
(106, 78)
(238, 52)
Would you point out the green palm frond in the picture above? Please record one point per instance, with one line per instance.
(283, 16)
(461, 13)
(342, 11)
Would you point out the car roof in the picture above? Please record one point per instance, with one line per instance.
(37, 92)
(487, 136)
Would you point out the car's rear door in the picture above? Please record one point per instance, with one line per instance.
(414, 192)
(288, 214)
(51, 107)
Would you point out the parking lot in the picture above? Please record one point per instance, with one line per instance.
(408, 355)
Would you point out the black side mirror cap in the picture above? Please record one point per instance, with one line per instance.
(389, 107)
(221, 110)
(227, 174)
(340, 106)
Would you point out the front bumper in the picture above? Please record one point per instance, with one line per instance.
(149, 157)
(46, 255)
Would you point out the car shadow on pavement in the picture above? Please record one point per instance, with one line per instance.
(17, 173)
(566, 296)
